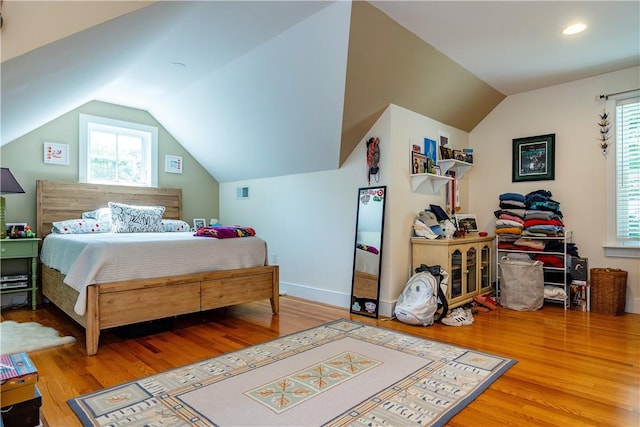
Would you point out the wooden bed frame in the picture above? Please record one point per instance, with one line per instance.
(139, 300)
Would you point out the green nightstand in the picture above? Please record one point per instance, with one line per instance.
(12, 280)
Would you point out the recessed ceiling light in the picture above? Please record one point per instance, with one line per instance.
(574, 29)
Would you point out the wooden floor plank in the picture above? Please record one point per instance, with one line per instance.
(574, 368)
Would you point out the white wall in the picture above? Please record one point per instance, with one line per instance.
(571, 112)
(308, 220)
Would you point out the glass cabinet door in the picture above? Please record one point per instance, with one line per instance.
(471, 270)
(485, 267)
(455, 276)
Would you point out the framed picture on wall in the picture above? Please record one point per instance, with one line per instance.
(431, 151)
(173, 164)
(56, 154)
(533, 158)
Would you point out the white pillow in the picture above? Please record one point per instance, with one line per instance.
(101, 214)
(80, 226)
(135, 219)
(170, 225)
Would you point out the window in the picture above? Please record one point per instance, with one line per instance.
(628, 171)
(118, 152)
(623, 174)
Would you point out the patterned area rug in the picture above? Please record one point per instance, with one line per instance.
(341, 373)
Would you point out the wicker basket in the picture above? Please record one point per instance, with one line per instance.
(608, 290)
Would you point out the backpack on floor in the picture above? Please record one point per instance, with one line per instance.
(422, 296)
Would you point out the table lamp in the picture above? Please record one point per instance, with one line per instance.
(8, 184)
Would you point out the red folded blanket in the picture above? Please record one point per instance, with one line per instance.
(220, 232)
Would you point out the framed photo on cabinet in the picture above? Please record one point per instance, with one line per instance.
(467, 222)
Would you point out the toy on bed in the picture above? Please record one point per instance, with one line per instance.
(222, 232)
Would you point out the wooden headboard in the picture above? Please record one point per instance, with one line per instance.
(58, 201)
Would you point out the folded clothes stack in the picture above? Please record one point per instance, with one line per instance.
(511, 215)
(523, 219)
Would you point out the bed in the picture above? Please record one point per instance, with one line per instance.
(134, 300)
(367, 266)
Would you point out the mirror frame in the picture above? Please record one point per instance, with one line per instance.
(359, 304)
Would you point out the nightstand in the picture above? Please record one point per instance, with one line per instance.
(18, 278)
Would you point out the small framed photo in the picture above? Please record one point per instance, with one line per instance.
(199, 222)
(431, 150)
(418, 163)
(56, 154)
(15, 229)
(458, 155)
(173, 164)
(436, 170)
(467, 222)
(446, 153)
(444, 138)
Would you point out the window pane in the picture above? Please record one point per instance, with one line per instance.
(130, 155)
(102, 157)
(628, 169)
(117, 152)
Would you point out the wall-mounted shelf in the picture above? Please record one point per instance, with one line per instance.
(457, 166)
(428, 182)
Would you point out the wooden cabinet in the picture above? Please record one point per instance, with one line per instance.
(467, 260)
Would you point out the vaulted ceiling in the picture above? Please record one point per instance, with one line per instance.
(256, 89)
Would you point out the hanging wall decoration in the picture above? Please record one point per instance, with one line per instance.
(373, 159)
(604, 126)
(56, 154)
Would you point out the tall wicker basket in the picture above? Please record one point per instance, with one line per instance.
(608, 290)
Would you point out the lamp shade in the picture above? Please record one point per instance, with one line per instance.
(8, 183)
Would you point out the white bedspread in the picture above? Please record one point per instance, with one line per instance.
(367, 262)
(87, 259)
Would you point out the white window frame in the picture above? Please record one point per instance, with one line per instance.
(87, 120)
(613, 247)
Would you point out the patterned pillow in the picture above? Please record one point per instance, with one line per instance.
(135, 219)
(80, 226)
(101, 214)
(169, 225)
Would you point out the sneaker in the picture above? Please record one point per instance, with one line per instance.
(458, 317)
(469, 314)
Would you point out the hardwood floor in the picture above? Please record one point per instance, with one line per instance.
(573, 368)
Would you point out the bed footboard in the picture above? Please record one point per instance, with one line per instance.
(123, 303)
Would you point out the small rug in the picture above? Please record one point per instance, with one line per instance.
(340, 373)
(29, 336)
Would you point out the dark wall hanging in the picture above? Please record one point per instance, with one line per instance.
(534, 158)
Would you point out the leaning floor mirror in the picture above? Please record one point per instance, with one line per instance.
(367, 258)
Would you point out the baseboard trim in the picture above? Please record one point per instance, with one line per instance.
(339, 299)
